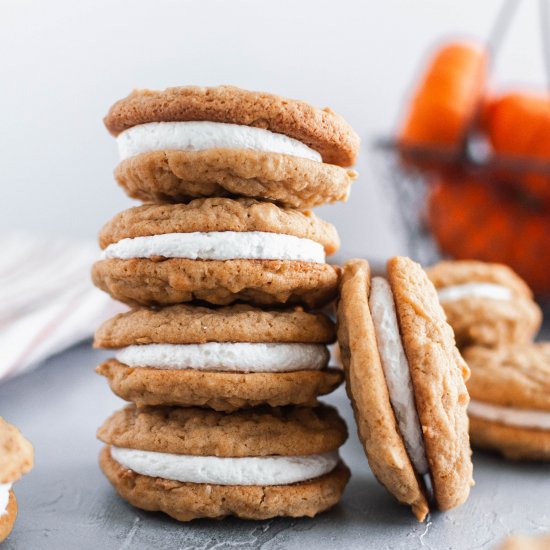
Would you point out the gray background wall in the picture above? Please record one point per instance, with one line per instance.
(63, 63)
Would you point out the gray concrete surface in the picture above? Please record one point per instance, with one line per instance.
(67, 504)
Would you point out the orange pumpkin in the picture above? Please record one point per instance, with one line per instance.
(518, 124)
(446, 100)
(472, 219)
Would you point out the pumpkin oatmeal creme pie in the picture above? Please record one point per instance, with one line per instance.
(405, 378)
(190, 142)
(197, 463)
(510, 400)
(217, 250)
(227, 358)
(16, 459)
(487, 304)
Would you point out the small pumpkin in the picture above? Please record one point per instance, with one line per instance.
(518, 124)
(446, 99)
(476, 219)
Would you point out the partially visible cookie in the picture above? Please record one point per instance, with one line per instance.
(510, 400)
(486, 304)
(226, 359)
(219, 251)
(405, 379)
(521, 542)
(254, 464)
(16, 453)
(16, 459)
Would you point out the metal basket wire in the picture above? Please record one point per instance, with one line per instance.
(408, 182)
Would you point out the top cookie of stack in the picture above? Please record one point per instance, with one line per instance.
(193, 142)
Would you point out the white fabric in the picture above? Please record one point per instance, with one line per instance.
(47, 300)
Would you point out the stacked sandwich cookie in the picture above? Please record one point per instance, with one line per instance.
(16, 459)
(223, 355)
(406, 381)
(510, 399)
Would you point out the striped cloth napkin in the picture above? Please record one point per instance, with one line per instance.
(47, 300)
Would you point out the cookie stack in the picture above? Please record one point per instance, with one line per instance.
(223, 355)
(495, 320)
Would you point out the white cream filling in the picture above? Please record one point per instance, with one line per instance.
(396, 371)
(474, 290)
(202, 135)
(228, 357)
(523, 418)
(219, 245)
(4, 497)
(269, 470)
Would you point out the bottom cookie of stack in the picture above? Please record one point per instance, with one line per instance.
(255, 464)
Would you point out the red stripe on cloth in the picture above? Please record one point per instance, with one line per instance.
(44, 334)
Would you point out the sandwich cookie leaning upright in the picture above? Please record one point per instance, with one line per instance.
(486, 304)
(405, 378)
(219, 251)
(510, 400)
(16, 459)
(190, 142)
(197, 463)
(226, 358)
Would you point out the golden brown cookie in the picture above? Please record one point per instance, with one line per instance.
(16, 453)
(179, 176)
(151, 278)
(322, 130)
(510, 400)
(262, 433)
(221, 391)
(521, 542)
(218, 214)
(262, 282)
(8, 518)
(179, 328)
(509, 316)
(184, 324)
(437, 374)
